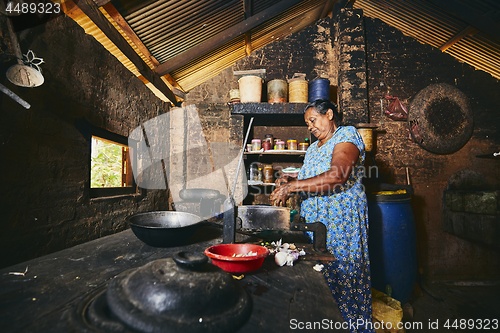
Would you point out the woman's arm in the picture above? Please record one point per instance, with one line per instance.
(344, 157)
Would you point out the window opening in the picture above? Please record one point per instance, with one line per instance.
(110, 168)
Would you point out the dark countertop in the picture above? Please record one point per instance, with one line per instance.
(49, 296)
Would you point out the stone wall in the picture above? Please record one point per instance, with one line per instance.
(45, 150)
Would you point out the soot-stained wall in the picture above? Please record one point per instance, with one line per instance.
(400, 66)
(45, 152)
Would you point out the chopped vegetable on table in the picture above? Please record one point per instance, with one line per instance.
(284, 253)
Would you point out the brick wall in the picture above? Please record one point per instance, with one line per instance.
(45, 150)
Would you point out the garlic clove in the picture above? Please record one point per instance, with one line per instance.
(280, 258)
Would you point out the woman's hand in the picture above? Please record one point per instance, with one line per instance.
(280, 194)
(281, 181)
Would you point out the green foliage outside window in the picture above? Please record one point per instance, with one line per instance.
(106, 164)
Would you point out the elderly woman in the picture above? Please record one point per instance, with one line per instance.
(330, 182)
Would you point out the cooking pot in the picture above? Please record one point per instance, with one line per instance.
(164, 228)
(179, 294)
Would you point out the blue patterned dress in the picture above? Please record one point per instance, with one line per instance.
(345, 214)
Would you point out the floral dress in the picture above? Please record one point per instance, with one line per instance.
(345, 214)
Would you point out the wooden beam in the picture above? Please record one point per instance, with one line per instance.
(100, 3)
(122, 23)
(487, 23)
(455, 39)
(89, 8)
(327, 9)
(248, 10)
(224, 36)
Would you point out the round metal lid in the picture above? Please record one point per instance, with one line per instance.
(440, 118)
(179, 294)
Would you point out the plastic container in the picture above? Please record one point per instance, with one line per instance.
(392, 244)
(291, 144)
(268, 173)
(319, 89)
(250, 87)
(256, 144)
(303, 146)
(277, 91)
(234, 95)
(237, 258)
(253, 172)
(280, 145)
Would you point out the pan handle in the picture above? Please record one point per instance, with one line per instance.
(190, 260)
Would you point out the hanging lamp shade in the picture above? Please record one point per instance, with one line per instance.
(11, 7)
(24, 76)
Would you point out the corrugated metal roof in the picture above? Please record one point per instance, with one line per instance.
(187, 42)
(210, 65)
(433, 22)
(169, 28)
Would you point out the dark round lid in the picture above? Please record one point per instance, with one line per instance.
(440, 118)
(179, 294)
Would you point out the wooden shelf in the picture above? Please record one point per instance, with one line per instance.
(277, 152)
(260, 184)
(268, 108)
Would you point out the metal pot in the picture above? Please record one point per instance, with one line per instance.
(164, 228)
(179, 294)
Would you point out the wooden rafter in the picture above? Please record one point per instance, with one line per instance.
(129, 32)
(225, 36)
(468, 31)
(487, 23)
(89, 8)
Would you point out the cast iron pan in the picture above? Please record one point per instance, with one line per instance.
(440, 119)
(164, 228)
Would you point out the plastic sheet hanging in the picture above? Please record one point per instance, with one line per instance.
(396, 109)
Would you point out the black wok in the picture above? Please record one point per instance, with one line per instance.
(164, 228)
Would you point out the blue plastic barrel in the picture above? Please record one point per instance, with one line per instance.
(392, 245)
(319, 89)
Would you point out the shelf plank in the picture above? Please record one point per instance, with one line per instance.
(277, 152)
(268, 108)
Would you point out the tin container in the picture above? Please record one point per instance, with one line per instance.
(297, 90)
(277, 91)
(303, 146)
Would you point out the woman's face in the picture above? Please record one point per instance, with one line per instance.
(320, 125)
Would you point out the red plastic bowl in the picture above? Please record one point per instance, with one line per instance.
(222, 256)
